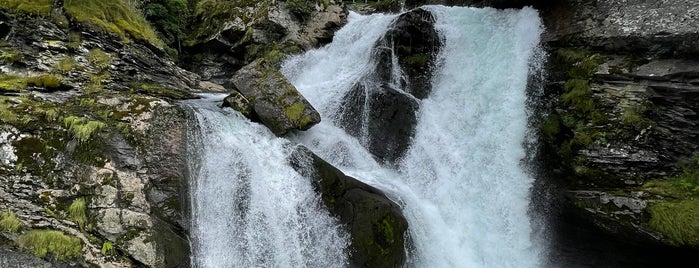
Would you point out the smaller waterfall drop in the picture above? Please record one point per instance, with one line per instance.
(249, 207)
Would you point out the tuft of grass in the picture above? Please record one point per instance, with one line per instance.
(11, 83)
(47, 81)
(9, 222)
(98, 59)
(113, 16)
(82, 128)
(677, 221)
(65, 65)
(76, 211)
(10, 56)
(56, 243)
(107, 248)
(36, 7)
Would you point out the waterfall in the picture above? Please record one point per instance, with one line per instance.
(249, 207)
(462, 184)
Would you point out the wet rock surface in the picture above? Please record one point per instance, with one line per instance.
(375, 223)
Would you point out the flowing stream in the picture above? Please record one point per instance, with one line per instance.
(462, 183)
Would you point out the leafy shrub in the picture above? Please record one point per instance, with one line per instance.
(56, 243)
(167, 16)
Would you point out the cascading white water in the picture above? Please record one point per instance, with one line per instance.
(461, 184)
(249, 207)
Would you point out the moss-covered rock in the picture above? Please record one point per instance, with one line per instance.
(375, 223)
(275, 101)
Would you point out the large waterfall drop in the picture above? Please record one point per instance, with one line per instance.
(462, 186)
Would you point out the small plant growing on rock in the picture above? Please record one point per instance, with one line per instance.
(11, 83)
(47, 81)
(77, 212)
(107, 248)
(82, 128)
(56, 243)
(98, 59)
(9, 222)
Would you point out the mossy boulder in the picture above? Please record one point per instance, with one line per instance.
(275, 101)
(376, 224)
(238, 102)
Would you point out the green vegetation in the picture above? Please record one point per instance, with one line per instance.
(113, 16)
(82, 128)
(56, 243)
(65, 65)
(107, 248)
(677, 218)
(98, 59)
(578, 96)
(76, 211)
(37, 7)
(168, 17)
(677, 221)
(294, 111)
(9, 222)
(47, 81)
(209, 17)
(11, 83)
(301, 8)
(10, 56)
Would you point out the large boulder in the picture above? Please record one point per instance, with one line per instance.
(392, 98)
(376, 223)
(275, 101)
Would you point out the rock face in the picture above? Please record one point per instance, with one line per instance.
(227, 35)
(376, 224)
(100, 162)
(624, 121)
(392, 97)
(274, 100)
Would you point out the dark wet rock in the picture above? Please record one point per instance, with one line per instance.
(275, 101)
(238, 102)
(387, 127)
(414, 41)
(375, 223)
(381, 110)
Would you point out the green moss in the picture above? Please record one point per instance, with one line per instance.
(419, 59)
(107, 248)
(76, 211)
(210, 16)
(551, 126)
(36, 7)
(294, 112)
(43, 242)
(581, 64)
(98, 59)
(579, 96)
(65, 65)
(9, 222)
(677, 221)
(10, 56)
(82, 128)
(113, 16)
(11, 83)
(47, 81)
